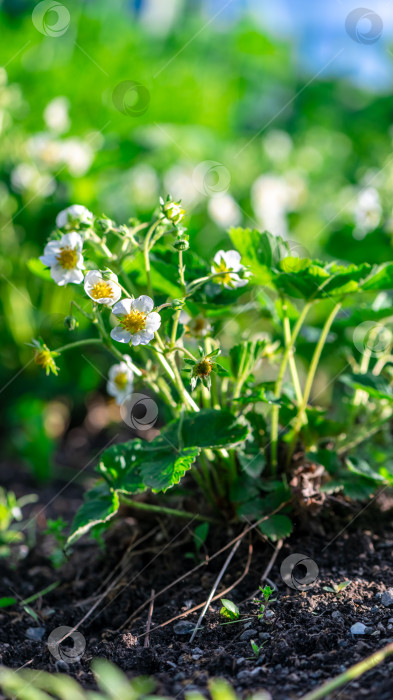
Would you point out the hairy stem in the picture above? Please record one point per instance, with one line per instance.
(164, 510)
(290, 340)
(311, 376)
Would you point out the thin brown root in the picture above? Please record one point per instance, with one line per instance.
(149, 618)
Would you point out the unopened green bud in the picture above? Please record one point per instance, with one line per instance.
(103, 225)
(181, 244)
(177, 304)
(71, 323)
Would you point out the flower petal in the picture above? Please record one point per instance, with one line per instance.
(92, 277)
(120, 334)
(122, 308)
(218, 256)
(62, 277)
(153, 322)
(232, 259)
(141, 338)
(71, 240)
(143, 303)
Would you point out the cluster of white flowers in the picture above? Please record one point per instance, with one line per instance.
(137, 322)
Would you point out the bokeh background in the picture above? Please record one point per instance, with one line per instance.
(272, 115)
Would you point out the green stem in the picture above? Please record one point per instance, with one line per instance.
(310, 377)
(146, 251)
(289, 344)
(351, 673)
(79, 343)
(164, 510)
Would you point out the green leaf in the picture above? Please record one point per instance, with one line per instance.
(229, 609)
(165, 469)
(7, 601)
(360, 466)
(120, 466)
(276, 527)
(208, 428)
(38, 269)
(313, 278)
(100, 506)
(379, 278)
(261, 252)
(374, 386)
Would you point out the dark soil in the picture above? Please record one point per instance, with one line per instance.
(306, 635)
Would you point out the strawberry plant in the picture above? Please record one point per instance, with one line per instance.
(231, 352)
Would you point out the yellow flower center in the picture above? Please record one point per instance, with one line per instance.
(68, 257)
(101, 290)
(121, 380)
(133, 322)
(223, 278)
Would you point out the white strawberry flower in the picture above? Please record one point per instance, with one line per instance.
(65, 259)
(137, 321)
(228, 264)
(120, 382)
(73, 216)
(103, 290)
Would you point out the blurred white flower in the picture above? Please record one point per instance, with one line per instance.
(144, 185)
(367, 212)
(102, 290)
(26, 178)
(137, 321)
(228, 264)
(74, 215)
(179, 182)
(44, 147)
(224, 211)
(277, 145)
(77, 155)
(56, 115)
(273, 196)
(198, 326)
(120, 384)
(65, 259)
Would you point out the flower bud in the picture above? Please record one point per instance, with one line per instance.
(177, 304)
(103, 225)
(172, 211)
(181, 244)
(71, 323)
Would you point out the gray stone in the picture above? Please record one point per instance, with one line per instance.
(358, 628)
(36, 634)
(248, 634)
(184, 628)
(387, 598)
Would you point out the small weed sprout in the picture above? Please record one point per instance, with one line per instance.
(266, 592)
(337, 588)
(229, 609)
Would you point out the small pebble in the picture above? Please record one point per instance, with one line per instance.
(387, 598)
(358, 628)
(248, 634)
(268, 614)
(264, 636)
(61, 665)
(184, 628)
(36, 634)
